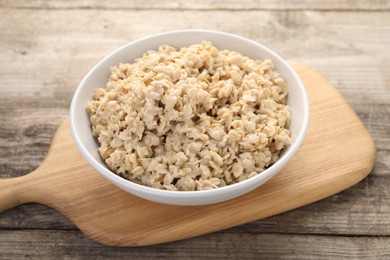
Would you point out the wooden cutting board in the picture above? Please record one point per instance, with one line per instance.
(337, 153)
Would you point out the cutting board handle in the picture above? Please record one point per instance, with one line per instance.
(11, 194)
(21, 190)
(40, 185)
(36, 186)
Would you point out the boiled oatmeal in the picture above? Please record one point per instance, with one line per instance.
(196, 118)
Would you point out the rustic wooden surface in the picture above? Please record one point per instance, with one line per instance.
(46, 47)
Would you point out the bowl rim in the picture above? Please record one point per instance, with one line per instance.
(264, 175)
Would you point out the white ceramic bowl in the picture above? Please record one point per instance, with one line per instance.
(98, 76)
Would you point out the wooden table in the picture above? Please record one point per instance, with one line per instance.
(46, 47)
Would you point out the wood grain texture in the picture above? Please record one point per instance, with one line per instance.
(320, 168)
(52, 47)
(325, 5)
(39, 244)
(362, 210)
